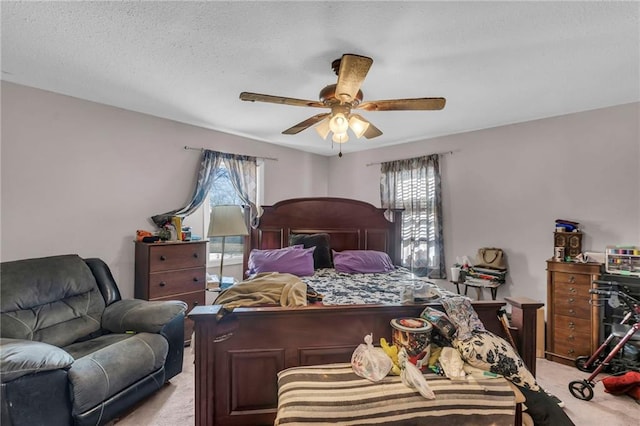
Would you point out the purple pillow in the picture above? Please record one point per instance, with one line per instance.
(362, 261)
(292, 260)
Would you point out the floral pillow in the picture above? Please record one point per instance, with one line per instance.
(492, 353)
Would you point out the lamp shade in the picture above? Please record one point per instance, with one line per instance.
(226, 221)
(323, 128)
(358, 125)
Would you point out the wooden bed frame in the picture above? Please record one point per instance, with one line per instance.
(238, 355)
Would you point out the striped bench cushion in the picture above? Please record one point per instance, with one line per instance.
(332, 394)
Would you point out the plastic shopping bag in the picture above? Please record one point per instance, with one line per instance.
(370, 362)
(412, 377)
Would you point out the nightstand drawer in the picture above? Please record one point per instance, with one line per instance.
(571, 324)
(570, 278)
(564, 289)
(573, 349)
(163, 284)
(176, 256)
(570, 306)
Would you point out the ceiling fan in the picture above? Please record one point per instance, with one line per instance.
(342, 98)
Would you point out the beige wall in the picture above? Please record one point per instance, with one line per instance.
(506, 186)
(80, 177)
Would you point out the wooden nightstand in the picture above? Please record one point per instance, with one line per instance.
(172, 271)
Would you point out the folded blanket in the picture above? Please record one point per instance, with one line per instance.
(266, 288)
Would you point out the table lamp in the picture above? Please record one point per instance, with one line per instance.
(226, 221)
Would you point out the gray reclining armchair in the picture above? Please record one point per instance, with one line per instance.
(72, 352)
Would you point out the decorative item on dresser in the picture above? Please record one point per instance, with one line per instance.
(571, 242)
(572, 320)
(172, 271)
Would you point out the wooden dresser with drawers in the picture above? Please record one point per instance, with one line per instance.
(572, 321)
(172, 271)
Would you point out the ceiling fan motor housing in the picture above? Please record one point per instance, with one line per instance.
(328, 96)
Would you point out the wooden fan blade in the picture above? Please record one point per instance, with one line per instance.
(403, 104)
(305, 124)
(353, 70)
(372, 132)
(258, 97)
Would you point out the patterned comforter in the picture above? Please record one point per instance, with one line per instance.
(382, 288)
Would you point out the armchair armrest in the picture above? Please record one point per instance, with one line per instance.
(141, 315)
(21, 357)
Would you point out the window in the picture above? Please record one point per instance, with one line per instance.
(222, 192)
(414, 186)
(418, 224)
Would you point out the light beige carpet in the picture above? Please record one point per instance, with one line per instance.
(173, 405)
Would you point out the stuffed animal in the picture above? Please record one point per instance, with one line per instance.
(392, 352)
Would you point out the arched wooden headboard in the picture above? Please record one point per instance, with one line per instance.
(351, 225)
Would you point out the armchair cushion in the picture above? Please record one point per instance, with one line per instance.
(140, 315)
(52, 299)
(96, 377)
(21, 357)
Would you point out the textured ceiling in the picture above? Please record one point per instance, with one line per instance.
(496, 62)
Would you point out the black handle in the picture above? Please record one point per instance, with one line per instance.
(609, 283)
(163, 257)
(195, 279)
(162, 283)
(195, 255)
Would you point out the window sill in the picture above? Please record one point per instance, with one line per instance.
(214, 261)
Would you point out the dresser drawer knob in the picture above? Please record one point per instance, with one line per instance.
(162, 284)
(572, 311)
(572, 279)
(571, 352)
(571, 300)
(195, 279)
(195, 303)
(195, 255)
(571, 337)
(163, 257)
(572, 325)
(572, 290)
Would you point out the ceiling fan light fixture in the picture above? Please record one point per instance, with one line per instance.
(323, 128)
(339, 123)
(358, 125)
(340, 137)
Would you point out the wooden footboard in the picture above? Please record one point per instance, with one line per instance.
(239, 355)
